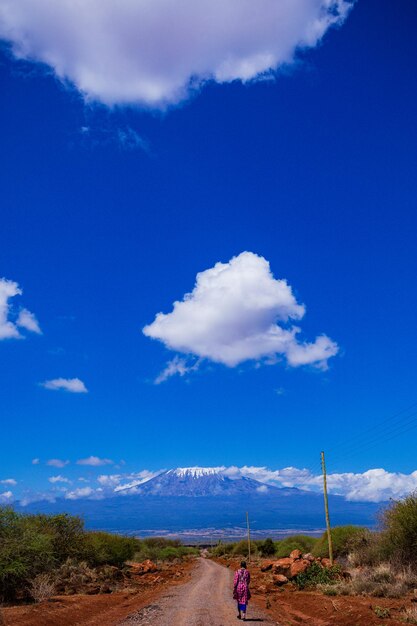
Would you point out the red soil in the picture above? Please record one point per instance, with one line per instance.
(289, 607)
(97, 610)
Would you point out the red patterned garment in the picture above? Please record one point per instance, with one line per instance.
(241, 591)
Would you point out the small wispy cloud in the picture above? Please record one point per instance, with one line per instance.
(84, 492)
(177, 365)
(6, 496)
(59, 479)
(28, 320)
(72, 385)
(119, 482)
(94, 461)
(125, 138)
(57, 463)
(36, 461)
(8, 481)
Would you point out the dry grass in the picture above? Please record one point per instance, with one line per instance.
(42, 587)
(378, 582)
(410, 616)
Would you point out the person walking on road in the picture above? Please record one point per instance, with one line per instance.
(241, 591)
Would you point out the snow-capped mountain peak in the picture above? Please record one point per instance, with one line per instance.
(196, 472)
(197, 481)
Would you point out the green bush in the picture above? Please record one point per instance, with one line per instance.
(106, 548)
(161, 549)
(367, 548)
(222, 549)
(24, 553)
(399, 532)
(318, 575)
(160, 542)
(31, 545)
(294, 542)
(344, 539)
(267, 547)
(241, 548)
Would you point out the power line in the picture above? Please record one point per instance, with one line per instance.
(388, 420)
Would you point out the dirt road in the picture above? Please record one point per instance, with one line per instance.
(203, 601)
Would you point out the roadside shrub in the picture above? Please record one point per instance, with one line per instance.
(241, 548)
(72, 575)
(24, 553)
(305, 543)
(343, 538)
(108, 548)
(223, 549)
(34, 545)
(367, 548)
(169, 554)
(160, 542)
(399, 531)
(267, 547)
(161, 549)
(66, 534)
(318, 575)
(42, 587)
(379, 582)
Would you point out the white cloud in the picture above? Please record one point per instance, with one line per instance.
(73, 385)
(6, 496)
(57, 463)
(94, 461)
(134, 480)
(30, 496)
(9, 328)
(236, 312)
(8, 481)
(373, 485)
(109, 480)
(27, 320)
(125, 138)
(177, 365)
(36, 461)
(156, 52)
(58, 479)
(84, 492)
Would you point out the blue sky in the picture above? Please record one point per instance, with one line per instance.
(110, 209)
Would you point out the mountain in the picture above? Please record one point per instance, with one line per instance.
(195, 482)
(200, 498)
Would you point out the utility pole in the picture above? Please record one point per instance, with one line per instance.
(326, 508)
(247, 523)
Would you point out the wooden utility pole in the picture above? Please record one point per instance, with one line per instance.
(326, 508)
(247, 523)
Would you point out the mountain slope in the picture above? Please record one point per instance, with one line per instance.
(197, 482)
(198, 498)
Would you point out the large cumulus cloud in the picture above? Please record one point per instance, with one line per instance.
(153, 52)
(237, 312)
